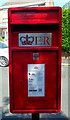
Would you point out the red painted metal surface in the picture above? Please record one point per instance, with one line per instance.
(35, 20)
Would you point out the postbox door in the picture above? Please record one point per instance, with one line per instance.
(35, 80)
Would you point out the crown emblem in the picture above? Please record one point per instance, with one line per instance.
(27, 40)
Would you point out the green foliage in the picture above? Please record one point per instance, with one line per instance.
(66, 30)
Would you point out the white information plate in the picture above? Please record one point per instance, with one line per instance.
(36, 80)
(34, 39)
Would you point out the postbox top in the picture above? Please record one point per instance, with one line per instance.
(35, 8)
(35, 15)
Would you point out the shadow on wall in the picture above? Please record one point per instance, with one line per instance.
(43, 116)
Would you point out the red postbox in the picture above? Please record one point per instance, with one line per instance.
(35, 59)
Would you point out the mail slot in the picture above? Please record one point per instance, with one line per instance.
(35, 59)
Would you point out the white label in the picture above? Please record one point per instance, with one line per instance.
(36, 80)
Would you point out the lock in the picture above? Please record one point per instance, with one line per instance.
(35, 56)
